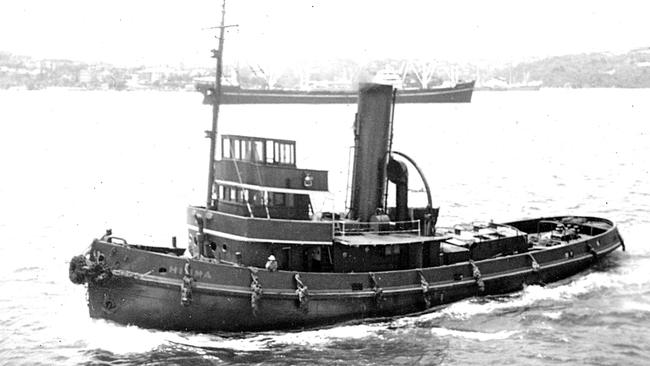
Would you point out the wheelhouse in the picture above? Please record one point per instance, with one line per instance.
(261, 206)
(258, 177)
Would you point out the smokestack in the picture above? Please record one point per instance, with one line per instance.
(371, 140)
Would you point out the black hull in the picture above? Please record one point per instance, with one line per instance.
(145, 288)
(460, 93)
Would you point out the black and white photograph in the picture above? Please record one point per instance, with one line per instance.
(309, 182)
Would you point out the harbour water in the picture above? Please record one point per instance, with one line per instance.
(75, 163)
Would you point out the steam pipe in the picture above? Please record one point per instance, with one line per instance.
(398, 173)
(424, 180)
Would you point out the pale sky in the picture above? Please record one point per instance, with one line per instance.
(290, 32)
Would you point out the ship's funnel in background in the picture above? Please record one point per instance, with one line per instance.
(371, 142)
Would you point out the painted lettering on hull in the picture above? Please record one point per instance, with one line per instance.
(196, 273)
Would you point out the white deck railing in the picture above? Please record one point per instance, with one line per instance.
(342, 228)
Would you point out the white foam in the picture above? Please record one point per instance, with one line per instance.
(325, 336)
(212, 341)
(266, 340)
(72, 326)
(636, 306)
(555, 315)
(408, 321)
(122, 339)
(530, 295)
(117, 339)
(479, 336)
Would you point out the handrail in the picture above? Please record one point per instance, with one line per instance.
(342, 228)
(424, 179)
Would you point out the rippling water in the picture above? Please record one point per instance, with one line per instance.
(76, 163)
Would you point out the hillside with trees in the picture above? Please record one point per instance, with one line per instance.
(593, 70)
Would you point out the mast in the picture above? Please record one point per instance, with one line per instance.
(218, 55)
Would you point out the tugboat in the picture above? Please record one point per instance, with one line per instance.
(260, 258)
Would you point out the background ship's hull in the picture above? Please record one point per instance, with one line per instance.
(460, 93)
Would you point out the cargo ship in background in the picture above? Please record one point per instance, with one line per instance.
(461, 92)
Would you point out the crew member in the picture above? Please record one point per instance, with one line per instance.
(272, 264)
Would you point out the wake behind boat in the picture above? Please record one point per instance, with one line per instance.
(459, 93)
(260, 257)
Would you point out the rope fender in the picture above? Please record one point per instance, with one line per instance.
(83, 270)
(186, 286)
(534, 263)
(302, 292)
(256, 291)
(425, 289)
(78, 270)
(476, 273)
(379, 292)
(593, 251)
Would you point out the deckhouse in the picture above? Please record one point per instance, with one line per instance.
(261, 206)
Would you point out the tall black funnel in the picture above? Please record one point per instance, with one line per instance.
(371, 142)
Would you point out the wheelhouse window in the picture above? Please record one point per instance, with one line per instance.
(233, 194)
(283, 153)
(258, 150)
(276, 199)
(227, 152)
(237, 150)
